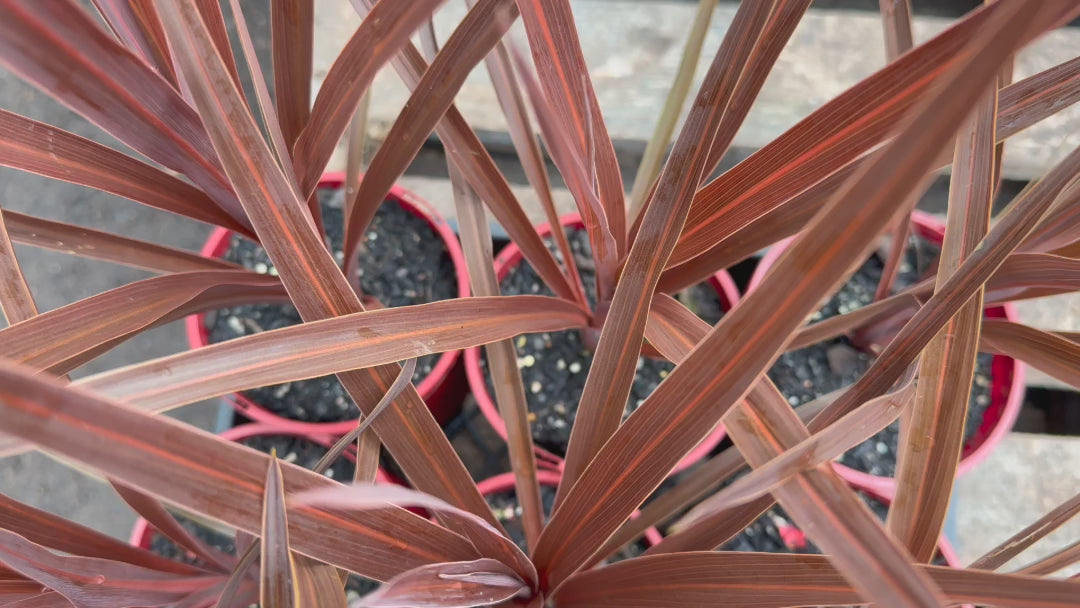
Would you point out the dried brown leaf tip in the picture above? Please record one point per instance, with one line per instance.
(609, 351)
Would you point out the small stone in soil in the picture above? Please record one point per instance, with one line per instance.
(407, 265)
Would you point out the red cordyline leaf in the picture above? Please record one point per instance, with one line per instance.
(66, 536)
(489, 541)
(213, 597)
(772, 580)
(743, 344)
(318, 584)
(1054, 562)
(266, 108)
(1051, 353)
(676, 331)
(276, 576)
(315, 283)
(474, 161)
(603, 400)
(90, 582)
(896, 19)
(512, 101)
(648, 168)
(778, 30)
(817, 449)
(482, 582)
(292, 24)
(182, 466)
(42, 149)
(556, 50)
(932, 436)
(1004, 237)
(1014, 545)
(822, 503)
(375, 42)
(501, 356)
(214, 19)
(1021, 276)
(321, 347)
(16, 301)
(574, 168)
(774, 37)
(66, 337)
(1025, 101)
(100, 245)
(1057, 230)
(858, 119)
(57, 47)
(1028, 101)
(153, 512)
(136, 24)
(1033, 275)
(278, 141)
(479, 31)
(48, 599)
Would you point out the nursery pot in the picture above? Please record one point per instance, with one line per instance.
(1007, 375)
(142, 532)
(508, 259)
(505, 483)
(443, 389)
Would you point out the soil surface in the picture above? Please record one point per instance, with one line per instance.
(805, 374)
(508, 512)
(554, 365)
(403, 261)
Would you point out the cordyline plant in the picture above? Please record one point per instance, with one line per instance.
(163, 79)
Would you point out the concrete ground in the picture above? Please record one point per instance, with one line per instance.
(1024, 478)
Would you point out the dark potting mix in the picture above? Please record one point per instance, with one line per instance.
(403, 261)
(505, 507)
(808, 373)
(294, 450)
(554, 365)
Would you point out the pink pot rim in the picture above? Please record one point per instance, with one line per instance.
(509, 257)
(1007, 384)
(504, 482)
(218, 242)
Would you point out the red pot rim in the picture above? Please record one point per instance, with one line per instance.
(218, 242)
(509, 257)
(504, 482)
(1007, 374)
